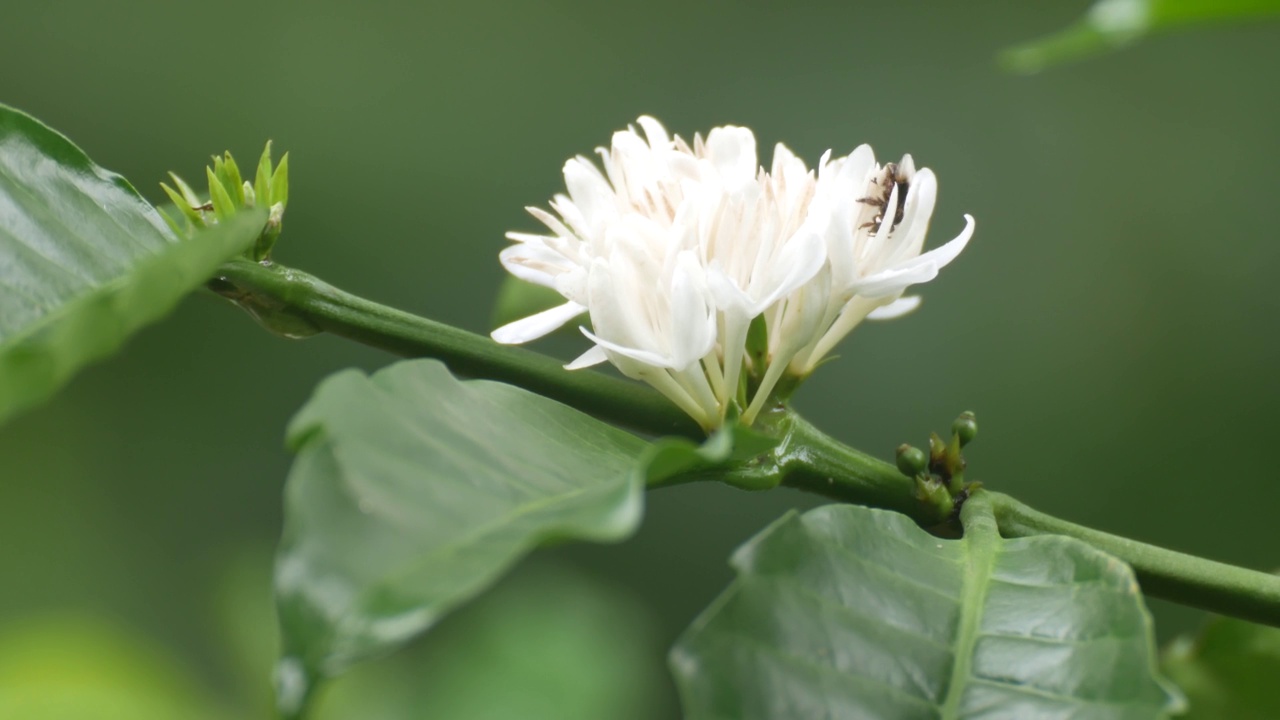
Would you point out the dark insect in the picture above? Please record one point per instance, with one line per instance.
(893, 175)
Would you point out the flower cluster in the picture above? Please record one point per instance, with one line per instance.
(714, 279)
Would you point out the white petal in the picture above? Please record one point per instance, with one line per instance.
(535, 326)
(840, 232)
(895, 309)
(858, 165)
(535, 263)
(622, 303)
(942, 255)
(801, 258)
(594, 356)
(654, 132)
(590, 192)
(727, 294)
(550, 221)
(909, 236)
(572, 284)
(644, 357)
(917, 270)
(528, 237)
(907, 167)
(692, 320)
(782, 158)
(733, 152)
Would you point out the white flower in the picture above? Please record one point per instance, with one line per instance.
(711, 278)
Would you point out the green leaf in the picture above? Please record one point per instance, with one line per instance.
(86, 261)
(1111, 24)
(414, 491)
(849, 612)
(1229, 672)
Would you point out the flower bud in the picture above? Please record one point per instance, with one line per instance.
(965, 427)
(270, 232)
(911, 460)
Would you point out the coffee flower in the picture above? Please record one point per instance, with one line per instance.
(712, 278)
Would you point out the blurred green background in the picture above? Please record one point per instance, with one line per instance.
(1112, 323)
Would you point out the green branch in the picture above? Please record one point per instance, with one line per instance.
(1187, 579)
(290, 301)
(830, 468)
(296, 304)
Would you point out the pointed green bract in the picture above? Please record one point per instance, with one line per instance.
(232, 180)
(184, 207)
(280, 182)
(229, 193)
(223, 206)
(262, 177)
(87, 262)
(193, 200)
(849, 612)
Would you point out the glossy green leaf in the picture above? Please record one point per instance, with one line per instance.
(413, 491)
(84, 261)
(1111, 24)
(849, 612)
(1229, 672)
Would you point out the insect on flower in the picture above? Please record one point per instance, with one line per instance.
(683, 254)
(895, 178)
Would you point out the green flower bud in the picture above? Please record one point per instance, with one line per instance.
(911, 461)
(270, 232)
(965, 427)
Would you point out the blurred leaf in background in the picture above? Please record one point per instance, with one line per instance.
(1228, 671)
(80, 667)
(549, 642)
(1112, 24)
